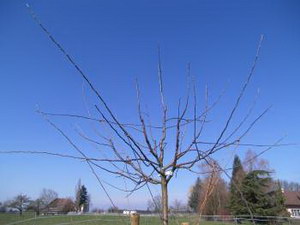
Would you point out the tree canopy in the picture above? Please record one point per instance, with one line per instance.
(263, 195)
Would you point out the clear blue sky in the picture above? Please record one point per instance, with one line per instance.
(115, 42)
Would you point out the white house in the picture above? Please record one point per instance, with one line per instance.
(129, 212)
(292, 203)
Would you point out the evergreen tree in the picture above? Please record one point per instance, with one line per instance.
(194, 197)
(237, 177)
(82, 198)
(263, 197)
(278, 206)
(254, 191)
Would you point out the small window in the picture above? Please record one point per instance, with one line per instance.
(295, 212)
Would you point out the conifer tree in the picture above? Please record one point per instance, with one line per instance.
(237, 177)
(254, 188)
(194, 197)
(263, 197)
(278, 208)
(82, 198)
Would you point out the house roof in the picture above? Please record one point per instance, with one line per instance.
(59, 205)
(292, 198)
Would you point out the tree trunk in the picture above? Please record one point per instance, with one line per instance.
(164, 200)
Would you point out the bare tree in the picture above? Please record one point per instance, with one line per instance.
(210, 184)
(77, 195)
(20, 202)
(290, 186)
(43, 201)
(154, 204)
(213, 193)
(252, 162)
(137, 155)
(177, 205)
(36, 206)
(145, 154)
(46, 197)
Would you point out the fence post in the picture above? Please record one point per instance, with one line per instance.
(135, 219)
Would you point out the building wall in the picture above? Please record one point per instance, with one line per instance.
(295, 212)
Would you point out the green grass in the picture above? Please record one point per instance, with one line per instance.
(10, 217)
(29, 219)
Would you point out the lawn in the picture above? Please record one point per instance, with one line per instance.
(30, 219)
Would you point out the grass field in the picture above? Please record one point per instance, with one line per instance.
(30, 219)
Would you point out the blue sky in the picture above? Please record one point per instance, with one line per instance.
(116, 42)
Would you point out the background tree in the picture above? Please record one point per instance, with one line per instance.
(214, 191)
(97, 210)
(69, 206)
(177, 205)
(46, 197)
(237, 177)
(82, 199)
(36, 206)
(218, 201)
(78, 195)
(2, 207)
(20, 202)
(155, 204)
(258, 188)
(253, 162)
(278, 204)
(113, 210)
(290, 186)
(194, 197)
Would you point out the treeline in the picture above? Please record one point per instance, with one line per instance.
(22, 202)
(251, 190)
(290, 186)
